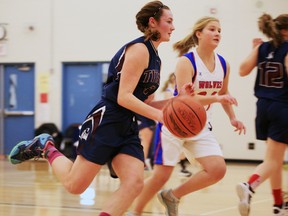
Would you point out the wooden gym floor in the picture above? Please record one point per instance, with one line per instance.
(31, 189)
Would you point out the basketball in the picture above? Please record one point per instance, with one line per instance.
(184, 117)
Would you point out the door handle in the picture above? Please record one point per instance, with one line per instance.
(18, 113)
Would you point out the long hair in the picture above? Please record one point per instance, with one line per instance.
(272, 27)
(171, 79)
(191, 40)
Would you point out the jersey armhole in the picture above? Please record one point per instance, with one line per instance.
(191, 57)
(223, 63)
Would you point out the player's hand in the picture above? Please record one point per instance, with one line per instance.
(256, 42)
(187, 89)
(239, 126)
(227, 99)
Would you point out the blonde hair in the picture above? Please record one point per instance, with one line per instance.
(271, 27)
(191, 40)
(170, 80)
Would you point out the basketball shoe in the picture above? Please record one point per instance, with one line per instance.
(27, 150)
(244, 193)
(279, 210)
(169, 201)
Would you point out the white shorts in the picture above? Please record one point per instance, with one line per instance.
(168, 149)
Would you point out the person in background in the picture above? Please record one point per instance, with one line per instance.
(209, 73)
(110, 131)
(271, 91)
(146, 131)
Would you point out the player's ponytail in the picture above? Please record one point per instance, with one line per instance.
(272, 27)
(191, 40)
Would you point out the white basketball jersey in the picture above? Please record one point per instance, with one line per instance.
(207, 82)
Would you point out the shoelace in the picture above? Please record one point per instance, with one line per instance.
(28, 154)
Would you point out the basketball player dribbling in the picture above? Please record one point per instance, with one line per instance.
(110, 131)
(210, 73)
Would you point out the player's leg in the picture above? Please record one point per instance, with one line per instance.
(167, 149)
(205, 149)
(146, 135)
(153, 184)
(71, 173)
(213, 170)
(271, 164)
(277, 155)
(130, 171)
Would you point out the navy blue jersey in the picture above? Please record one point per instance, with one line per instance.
(110, 129)
(149, 80)
(272, 82)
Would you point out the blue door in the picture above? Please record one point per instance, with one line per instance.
(17, 104)
(82, 88)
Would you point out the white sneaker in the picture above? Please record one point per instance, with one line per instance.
(245, 194)
(169, 201)
(278, 211)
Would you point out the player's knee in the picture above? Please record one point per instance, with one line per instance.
(217, 173)
(134, 185)
(74, 188)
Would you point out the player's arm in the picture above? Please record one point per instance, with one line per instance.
(184, 72)
(249, 63)
(136, 60)
(224, 91)
(238, 125)
(159, 104)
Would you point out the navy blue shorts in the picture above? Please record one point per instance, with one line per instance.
(144, 122)
(272, 120)
(107, 131)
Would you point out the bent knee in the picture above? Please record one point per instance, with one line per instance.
(74, 188)
(217, 173)
(134, 185)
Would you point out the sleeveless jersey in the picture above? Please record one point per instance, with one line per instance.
(206, 82)
(271, 81)
(149, 80)
(110, 129)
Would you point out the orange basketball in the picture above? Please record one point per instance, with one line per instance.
(184, 117)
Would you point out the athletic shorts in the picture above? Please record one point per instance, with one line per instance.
(107, 131)
(168, 148)
(272, 120)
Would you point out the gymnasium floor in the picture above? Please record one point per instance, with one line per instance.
(30, 189)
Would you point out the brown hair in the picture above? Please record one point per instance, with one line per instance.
(271, 27)
(191, 39)
(152, 9)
